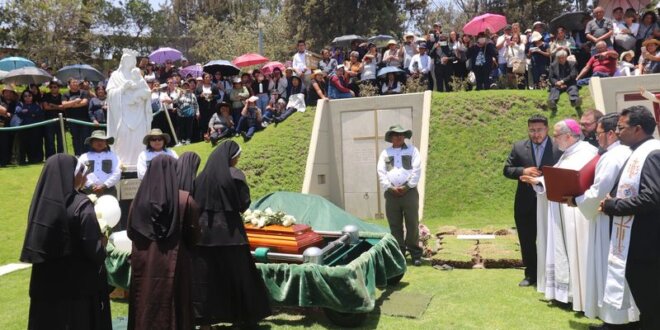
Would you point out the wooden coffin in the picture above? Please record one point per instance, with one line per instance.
(294, 239)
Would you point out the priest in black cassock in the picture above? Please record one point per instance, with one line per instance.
(63, 242)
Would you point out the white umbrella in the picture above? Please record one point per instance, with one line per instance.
(609, 5)
(26, 76)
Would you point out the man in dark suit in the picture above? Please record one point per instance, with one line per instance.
(562, 79)
(527, 158)
(636, 198)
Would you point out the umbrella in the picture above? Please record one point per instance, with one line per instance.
(3, 74)
(609, 5)
(389, 69)
(164, 54)
(80, 71)
(493, 22)
(249, 59)
(381, 39)
(225, 67)
(570, 21)
(15, 62)
(270, 66)
(26, 76)
(193, 70)
(345, 41)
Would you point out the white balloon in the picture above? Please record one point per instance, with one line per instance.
(108, 208)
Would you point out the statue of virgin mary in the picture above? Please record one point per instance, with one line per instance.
(129, 109)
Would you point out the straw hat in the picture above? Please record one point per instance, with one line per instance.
(155, 132)
(408, 35)
(99, 135)
(391, 42)
(397, 129)
(536, 37)
(651, 41)
(630, 52)
(317, 72)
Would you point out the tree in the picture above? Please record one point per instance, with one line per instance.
(320, 21)
(54, 31)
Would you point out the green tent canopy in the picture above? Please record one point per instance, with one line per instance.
(313, 210)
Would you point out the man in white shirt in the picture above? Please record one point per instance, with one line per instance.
(421, 64)
(299, 63)
(399, 168)
(502, 42)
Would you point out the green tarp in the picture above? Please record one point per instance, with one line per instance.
(350, 288)
(313, 210)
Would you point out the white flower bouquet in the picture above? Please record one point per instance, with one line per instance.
(267, 217)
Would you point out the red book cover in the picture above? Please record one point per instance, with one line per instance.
(561, 182)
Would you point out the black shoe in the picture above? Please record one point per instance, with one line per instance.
(417, 262)
(526, 282)
(603, 326)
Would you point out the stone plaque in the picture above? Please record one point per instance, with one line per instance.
(128, 188)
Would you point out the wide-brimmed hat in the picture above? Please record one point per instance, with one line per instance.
(422, 45)
(99, 135)
(391, 42)
(536, 37)
(408, 34)
(651, 41)
(9, 87)
(397, 129)
(156, 132)
(317, 72)
(538, 23)
(236, 80)
(623, 55)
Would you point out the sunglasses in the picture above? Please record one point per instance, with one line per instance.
(156, 139)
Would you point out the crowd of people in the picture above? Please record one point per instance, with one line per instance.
(213, 107)
(596, 253)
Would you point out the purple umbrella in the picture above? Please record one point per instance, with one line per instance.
(193, 70)
(164, 54)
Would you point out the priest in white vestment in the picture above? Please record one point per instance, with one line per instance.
(129, 109)
(568, 229)
(609, 165)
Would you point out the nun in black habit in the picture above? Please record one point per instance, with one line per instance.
(64, 244)
(162, 224)
(227, 287)
(186, 170)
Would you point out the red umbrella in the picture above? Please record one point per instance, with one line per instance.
(249, 59)
(270, 66)
(492, 22)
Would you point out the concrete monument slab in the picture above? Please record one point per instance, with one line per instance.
(347, 139)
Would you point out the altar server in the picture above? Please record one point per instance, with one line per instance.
(63, 242)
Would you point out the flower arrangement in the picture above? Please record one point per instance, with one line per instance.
(267, 217)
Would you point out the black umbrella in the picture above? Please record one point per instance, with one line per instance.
(345, 41)
(569, 21)
(225, 67)
(80, 71)
(27, 75)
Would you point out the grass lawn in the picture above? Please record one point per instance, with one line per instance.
(471, 136)
(462, 299)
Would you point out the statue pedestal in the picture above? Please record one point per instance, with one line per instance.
(126, 189)
(294, 239)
